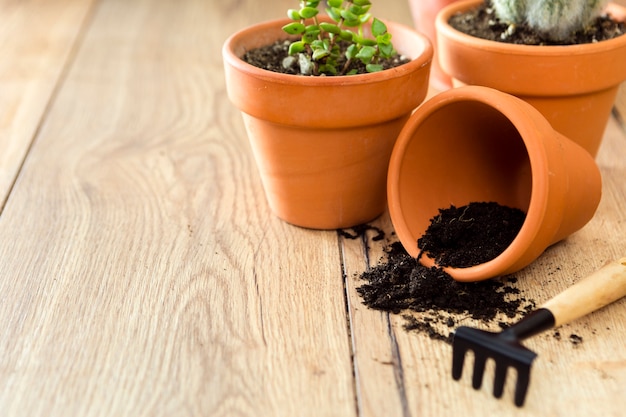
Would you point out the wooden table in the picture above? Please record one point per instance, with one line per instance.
(142, 274)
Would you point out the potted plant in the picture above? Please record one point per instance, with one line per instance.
(322, 143)
(573, 86)
(424, 13)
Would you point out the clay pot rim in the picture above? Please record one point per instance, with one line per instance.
(533, 50)
(417, 62)
(519, 113)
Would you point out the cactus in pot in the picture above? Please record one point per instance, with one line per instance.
(555, 19)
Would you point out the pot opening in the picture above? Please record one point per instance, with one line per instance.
(462, 152)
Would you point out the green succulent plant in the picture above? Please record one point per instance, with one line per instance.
(556, 19)
(318, 44)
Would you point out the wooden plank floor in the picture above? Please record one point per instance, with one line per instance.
(142, 274)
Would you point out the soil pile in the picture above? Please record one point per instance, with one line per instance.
(429, 298)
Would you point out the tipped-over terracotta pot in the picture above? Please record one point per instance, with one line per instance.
(424, 13)
(322, 144)
(573, 86)
(476, 144)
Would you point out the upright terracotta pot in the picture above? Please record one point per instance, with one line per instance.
(424, 13)
(573, 86)
(322, 144)
(476, 144)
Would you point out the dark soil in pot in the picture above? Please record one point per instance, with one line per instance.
(276, 58)
(483, 23)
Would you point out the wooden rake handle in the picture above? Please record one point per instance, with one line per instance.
(599, 289)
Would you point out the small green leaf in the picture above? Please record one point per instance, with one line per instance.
(384, 39)
(330, 28)
(308, 12)
(351, 52)
(348, 15)
(373, 67)
(313, 29)
(386, 50)
(346, 35)
(328, 69)
(352, 72)
(378, 28)
(296, 47)
(365, 18)
(335, 3)
(309, 37)
(293, 14)
(334, 13)
(352, 23)
(312, 3)
(295, 28)
(319, 54)
(367, 42)
(366, 53)
(358, 10)
(363, 2)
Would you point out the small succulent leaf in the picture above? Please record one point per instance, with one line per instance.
(293, 14)
(386, 50)
(366, 53)
(365, 18)
(351, 52)
(313, 29)
(308, 12)
(365, 41)
(294, 28)
(330, 28)
(320, 53)
(328, 69)
(358, 10)
(378, 28)
(347, 35)
(352, 23)
(384, 39)
(373, 67)
(335, 3)
(309, 37)
(334, 13)
(296, 47)
(351, 72)
(362, 2)
(312, 3)
(348, 15)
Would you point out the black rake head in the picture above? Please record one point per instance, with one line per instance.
(503, 348)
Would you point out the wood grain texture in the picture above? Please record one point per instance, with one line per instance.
(142, 273)
(36, 41)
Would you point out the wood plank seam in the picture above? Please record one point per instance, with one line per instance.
(65, 69)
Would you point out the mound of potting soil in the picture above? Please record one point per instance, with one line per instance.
(430, 300)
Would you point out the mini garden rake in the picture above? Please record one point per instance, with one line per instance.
(598, 290)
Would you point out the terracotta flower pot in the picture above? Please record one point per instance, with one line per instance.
(573, 86)
(424, 13)
(322, 144)
(476, 144)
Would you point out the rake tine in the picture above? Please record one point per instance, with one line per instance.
(479, 370)
(499, 380)
(523, 379)
(458, 359)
